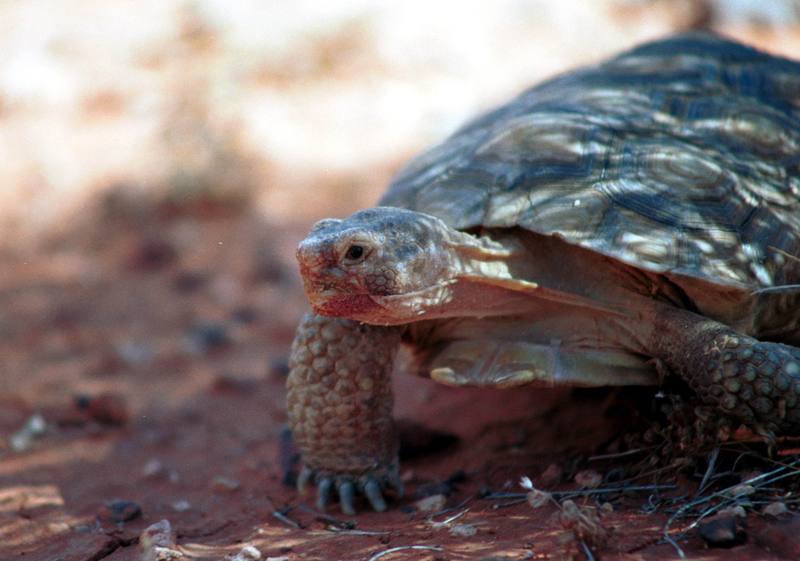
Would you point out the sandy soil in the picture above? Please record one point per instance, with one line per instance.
(154, 347)
(160, 163)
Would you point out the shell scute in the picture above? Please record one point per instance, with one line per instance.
(679, 157)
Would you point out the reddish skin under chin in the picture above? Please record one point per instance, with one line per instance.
(346, 305)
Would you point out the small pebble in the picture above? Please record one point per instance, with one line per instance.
(222, 483)
(742, 490)
(775, 509)
(158, 534)
(162, 554)
(58, 527)
(722, 530)
(737, 511)
(434, 503)
(157, 543)
(107, 408)
(35, 427)
(463, 530)
(206, 337)
(123, 511)
(588, 478)
(248, 553)
(181, 505)
(153, 468)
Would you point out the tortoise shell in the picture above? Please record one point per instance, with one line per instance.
(680, 157)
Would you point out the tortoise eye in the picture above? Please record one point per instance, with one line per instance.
(354, 253)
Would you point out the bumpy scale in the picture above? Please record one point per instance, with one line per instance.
(753, 381)
(340, 408)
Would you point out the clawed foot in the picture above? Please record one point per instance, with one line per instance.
(371, 485)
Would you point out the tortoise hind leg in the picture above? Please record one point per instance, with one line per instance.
(757, 382)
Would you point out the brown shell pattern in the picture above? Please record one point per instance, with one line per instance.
(680, 156)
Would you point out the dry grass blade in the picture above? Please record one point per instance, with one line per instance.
(587, 551)
(281, 514)
(619, 455)
(777, 289)
(347, 532)
(712, 462)
(286, 520)
(785, 253)
(448, 520)
(586, 492)
(404, 547)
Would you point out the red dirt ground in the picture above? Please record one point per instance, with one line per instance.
(111, 309)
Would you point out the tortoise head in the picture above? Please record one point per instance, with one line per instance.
(363, 266)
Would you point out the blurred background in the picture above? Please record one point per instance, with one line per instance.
(159, 162)
(277, 103)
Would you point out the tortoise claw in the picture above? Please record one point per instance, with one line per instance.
(371, 485)
(324, 492)
(347, 493)
(303, 480)
(373, 492)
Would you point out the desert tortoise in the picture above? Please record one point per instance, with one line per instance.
(643, 212)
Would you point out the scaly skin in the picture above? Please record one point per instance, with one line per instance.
(339, 388)
(340, 408)
(754, 381)
(641, 170)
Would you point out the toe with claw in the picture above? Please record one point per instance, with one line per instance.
(372, 486)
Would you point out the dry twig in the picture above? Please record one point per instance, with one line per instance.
(403, 547)
(281, 514)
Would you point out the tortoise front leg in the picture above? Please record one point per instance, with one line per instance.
(756, 382)
(340, 408)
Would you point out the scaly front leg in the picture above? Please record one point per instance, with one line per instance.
(340, 408)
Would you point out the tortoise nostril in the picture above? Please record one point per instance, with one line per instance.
(306, 254)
